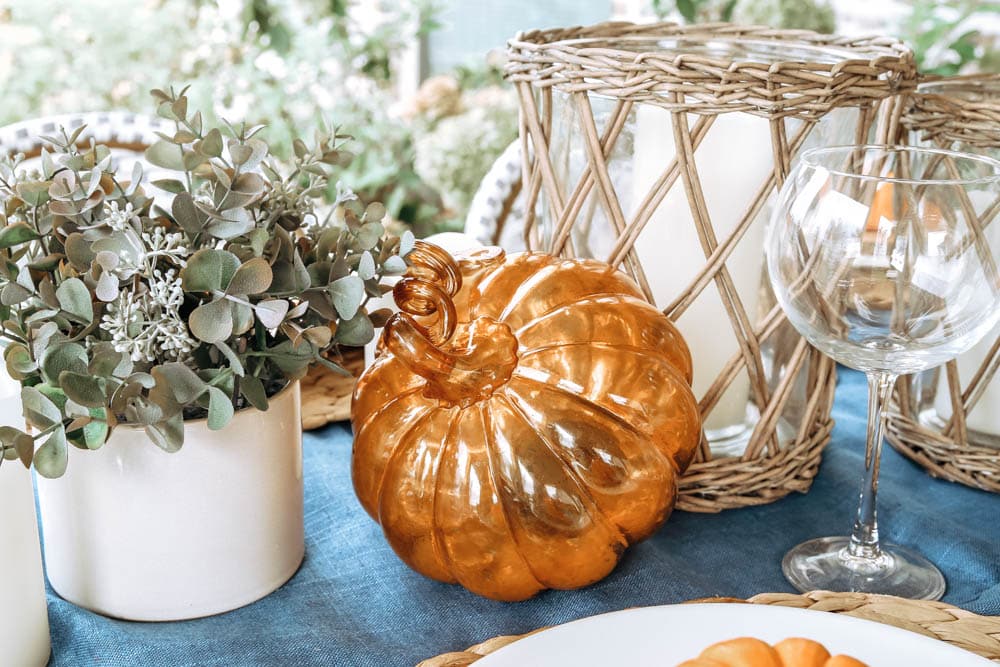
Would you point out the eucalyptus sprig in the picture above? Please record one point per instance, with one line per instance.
(204, 295)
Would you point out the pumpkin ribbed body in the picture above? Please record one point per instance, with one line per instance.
(526, 442)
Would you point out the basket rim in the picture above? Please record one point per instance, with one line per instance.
(582, 38)
(591, 59)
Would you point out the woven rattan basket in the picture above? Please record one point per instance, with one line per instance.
(961, 113)
(693, 77)
(978, 634)
(326, 396)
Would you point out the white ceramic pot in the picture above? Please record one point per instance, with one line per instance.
(24, 631)
(136, 533)
(24, 628)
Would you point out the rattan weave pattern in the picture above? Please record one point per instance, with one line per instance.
(961, 113)
(979, 634)
(593, 60)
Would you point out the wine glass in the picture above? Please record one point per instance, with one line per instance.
(883, 258)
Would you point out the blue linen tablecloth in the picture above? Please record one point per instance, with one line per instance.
(353, 603)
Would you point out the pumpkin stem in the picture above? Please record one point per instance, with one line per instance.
(462, 362)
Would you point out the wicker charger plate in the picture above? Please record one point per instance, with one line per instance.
(978, 634)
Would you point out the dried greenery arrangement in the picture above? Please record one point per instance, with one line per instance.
(118, 306)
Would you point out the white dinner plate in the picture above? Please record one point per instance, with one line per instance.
(665, 636)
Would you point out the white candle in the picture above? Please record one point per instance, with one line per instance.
(24, 629)
(984, 418)
(733, 161)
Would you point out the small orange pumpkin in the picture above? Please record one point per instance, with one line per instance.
(526, 420)
(750, 652)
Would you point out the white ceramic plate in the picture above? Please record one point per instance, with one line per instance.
(665, 636)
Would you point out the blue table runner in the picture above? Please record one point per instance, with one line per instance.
(353, 603)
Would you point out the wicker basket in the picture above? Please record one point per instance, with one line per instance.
(961, 113)
(607, 74)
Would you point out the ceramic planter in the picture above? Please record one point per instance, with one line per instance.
(24, 632)
(136, 533)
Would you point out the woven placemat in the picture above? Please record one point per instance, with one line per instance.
(979, 634)
(326, 396)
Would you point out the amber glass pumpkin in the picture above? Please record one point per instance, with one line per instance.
(526, 419)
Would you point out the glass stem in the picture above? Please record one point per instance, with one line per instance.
(864, 537)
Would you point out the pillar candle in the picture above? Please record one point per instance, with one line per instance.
(733, 161)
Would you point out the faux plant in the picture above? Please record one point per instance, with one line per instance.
(121, 306)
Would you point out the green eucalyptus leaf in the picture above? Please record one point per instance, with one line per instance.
(230, 224)
(87, 390)
(244, 190)
(239, 152)
(192, 160)
(106, 289)
(186, 213)
(290, 276)
(60, 357)
(356, 331)
(167, 434)
(166, 155)
(169, 185)
(212, 322)
(209, 270)
(347, 294)
(51, 458)
(253, 277)
(319, 336)
(375, 212)
(16, 234)
(234, 361)
(184, 383)
(78, 251)
(211, 145)
(220, 409)
(96, 433)
(34, 193)
(258, 240)
(39, 410)
(140, 410)
(19, 362)
(48, 263)
(72, 409)
(242, 317)
(253, 390)
(13, 294)
(369, 235)
(271, 313)
(366, 266)
(74, 298)
(394, 266)
(406, 243)
(24, 445)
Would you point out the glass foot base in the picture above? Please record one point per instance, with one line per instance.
(825, 564)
